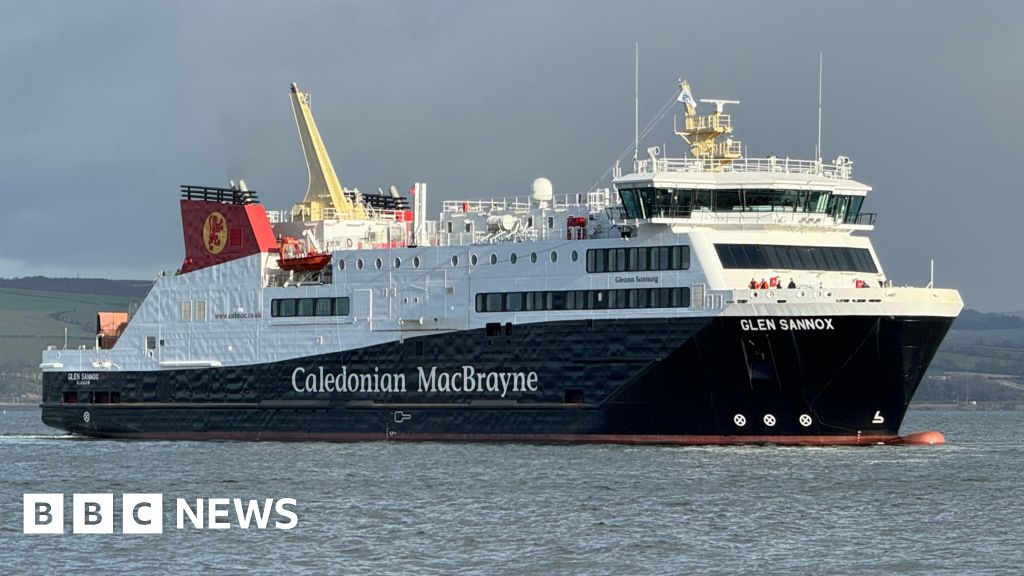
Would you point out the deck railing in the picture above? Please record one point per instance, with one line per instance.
(840, 170)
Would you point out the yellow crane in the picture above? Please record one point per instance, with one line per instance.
(324, 188)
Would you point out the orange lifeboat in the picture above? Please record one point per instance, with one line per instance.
(294, 258)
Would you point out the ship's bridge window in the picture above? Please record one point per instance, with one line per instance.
(650, 202)
(292, 307)
(630, 203)
(728, 201)
(639, 259)
(825, 258)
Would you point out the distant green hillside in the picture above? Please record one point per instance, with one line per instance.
(33, 318)
(95, 286)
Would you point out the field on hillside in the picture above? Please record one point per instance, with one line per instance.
(30, 320)
(998, 351)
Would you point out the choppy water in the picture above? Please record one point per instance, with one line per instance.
(383, 508)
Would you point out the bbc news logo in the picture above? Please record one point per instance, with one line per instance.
(144, 513)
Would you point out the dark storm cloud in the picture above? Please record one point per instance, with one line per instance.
(108, 106)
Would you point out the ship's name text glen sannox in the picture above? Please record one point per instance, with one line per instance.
(765, 324)
(466, 380)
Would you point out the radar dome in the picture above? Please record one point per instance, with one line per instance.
(542, 190)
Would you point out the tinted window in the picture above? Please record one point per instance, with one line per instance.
(727, 201)
(324, 307)
(752, 256)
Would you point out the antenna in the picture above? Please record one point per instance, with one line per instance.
(636, 101)
(817, 151)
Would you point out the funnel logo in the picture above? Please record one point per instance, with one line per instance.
(215, 233)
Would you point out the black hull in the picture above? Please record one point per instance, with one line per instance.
(828, 380)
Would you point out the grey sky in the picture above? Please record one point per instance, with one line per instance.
(107, 107)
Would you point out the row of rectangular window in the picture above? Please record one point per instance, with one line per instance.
(641, 259)
(827, 258)
(678, 297)
(291, 307)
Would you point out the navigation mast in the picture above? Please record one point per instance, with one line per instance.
(702, 130)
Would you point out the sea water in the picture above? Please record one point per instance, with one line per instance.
(394, 508)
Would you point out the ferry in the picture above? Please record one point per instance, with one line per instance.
(709, 299)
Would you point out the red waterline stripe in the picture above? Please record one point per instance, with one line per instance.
(687, 440)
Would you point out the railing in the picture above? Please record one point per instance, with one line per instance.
(866, 219)
(596, 201)
(842, 170)
(221, 195)
(328, 213)
(706, 122)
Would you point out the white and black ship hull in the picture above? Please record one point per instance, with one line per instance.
(697, 380)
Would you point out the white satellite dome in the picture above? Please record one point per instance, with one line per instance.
(542, 190)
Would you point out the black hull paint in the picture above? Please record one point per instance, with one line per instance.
(841, 380)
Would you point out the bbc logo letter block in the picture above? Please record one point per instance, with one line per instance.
(93, 513)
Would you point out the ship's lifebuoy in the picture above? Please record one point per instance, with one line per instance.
(348, 242)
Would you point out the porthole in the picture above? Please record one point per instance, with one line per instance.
(378, 263)
(574, 255)
(341, 264)
(472, 260)
(494, 258)
(455, 261)
(416, 262)
(398, 262)
(513, 258)
(554, 256)
(359, 264)
(533, 257)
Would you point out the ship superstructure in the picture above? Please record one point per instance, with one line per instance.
(713, 298)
